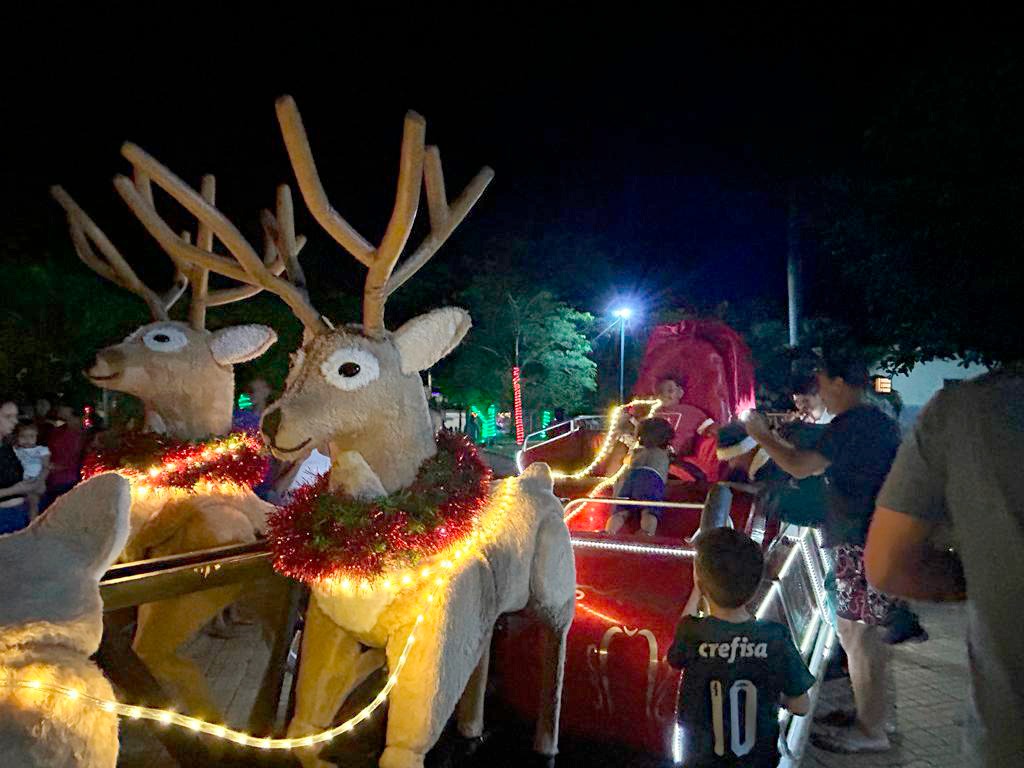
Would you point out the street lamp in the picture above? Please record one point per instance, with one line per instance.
(623, 314)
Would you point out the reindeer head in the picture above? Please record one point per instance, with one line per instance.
(181, 371)
(354, 388)
(351, 390)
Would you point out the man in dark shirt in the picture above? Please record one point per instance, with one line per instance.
(854, 453)
(738, 669)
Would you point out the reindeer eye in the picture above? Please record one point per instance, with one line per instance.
(350, 368)
(165, 339)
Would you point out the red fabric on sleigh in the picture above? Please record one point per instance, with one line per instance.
(711, 361)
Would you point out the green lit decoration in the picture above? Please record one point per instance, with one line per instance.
(490, 428)
(244, 402)
(488, 422)
(545, 420)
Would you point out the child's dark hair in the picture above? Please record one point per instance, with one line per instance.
(655, 433)
(803, 383)
(26, 424)
(730, 566)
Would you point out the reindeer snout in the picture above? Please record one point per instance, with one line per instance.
(108, 364)
(271, 423)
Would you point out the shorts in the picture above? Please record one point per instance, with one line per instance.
(855, 599)
(642, 484)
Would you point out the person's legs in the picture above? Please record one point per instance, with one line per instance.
(869, 673)
(648, 522)
(859, 611)
(615, 521)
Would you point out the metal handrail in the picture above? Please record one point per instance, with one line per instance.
(633, 503)
(147, 581)
(149, 565)
(572, 428)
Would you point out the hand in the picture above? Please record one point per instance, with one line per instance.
(757, 426)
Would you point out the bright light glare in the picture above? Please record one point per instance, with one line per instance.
(623, 312)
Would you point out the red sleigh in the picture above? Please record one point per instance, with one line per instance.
(632, 589)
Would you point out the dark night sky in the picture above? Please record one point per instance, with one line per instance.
(663, 150)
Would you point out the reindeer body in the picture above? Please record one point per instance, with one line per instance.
(528, 564)
(51, 623)
(184, 376)
(358, 390)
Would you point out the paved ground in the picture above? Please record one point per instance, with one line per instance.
(233, 667)
(930, 678)
(931, 688)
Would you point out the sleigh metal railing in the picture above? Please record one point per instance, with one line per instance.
(590, 422)
(146, 581)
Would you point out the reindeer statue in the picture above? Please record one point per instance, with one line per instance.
(357, 390)
(183, 375)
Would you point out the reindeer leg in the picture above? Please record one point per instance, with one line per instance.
(167, 625)
(545, 740)
(332, 663)
(470, 711)
(553, 602)
(448, 645)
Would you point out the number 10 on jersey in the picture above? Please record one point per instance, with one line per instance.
(741, 735)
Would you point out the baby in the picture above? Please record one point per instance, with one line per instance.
(35, 460)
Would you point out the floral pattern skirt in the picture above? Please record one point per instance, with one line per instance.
(855, 599)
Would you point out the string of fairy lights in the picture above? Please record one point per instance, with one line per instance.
(225, 464)
(432, 575)
(606, 447)
(434, 578)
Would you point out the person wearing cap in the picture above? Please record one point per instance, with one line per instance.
(747, 461)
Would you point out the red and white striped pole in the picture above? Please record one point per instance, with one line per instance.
(517, 394)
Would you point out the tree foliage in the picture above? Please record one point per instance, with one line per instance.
(554, 352)
(926, 237)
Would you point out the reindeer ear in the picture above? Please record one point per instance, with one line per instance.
(239, 343)
(426, 339)
(90, 521)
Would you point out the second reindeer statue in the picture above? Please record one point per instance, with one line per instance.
(357, 390)
(183, 374)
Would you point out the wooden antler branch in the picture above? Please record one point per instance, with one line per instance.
(85, 232)
(416, 162)
(247, 267)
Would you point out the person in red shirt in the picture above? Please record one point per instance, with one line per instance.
(67, 445)
(689, 421)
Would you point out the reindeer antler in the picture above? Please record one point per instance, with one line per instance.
(85, 232)
(281, 247)
(416, 162)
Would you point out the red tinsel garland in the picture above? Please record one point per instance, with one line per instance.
(322, 534)
(156, 461)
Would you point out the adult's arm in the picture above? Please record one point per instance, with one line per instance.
(797, 462)
(18, 489)
(901, 560)
(899, 557)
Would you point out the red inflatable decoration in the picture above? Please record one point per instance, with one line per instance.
(708, 358)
